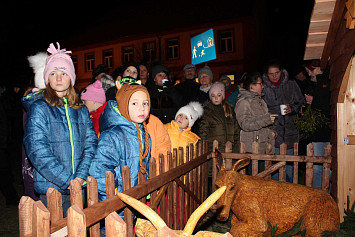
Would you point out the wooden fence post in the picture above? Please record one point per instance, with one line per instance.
(282, 170)
(242, 151)
(76, 221)
(25, 213)
(326, 168)
(228, 162)
(54, 204)
(92, 198)
(295, 164)
(41, 220)
(309, 166)
(110, 184)
(181, 202)
(214, 165)
(115, 226)
(128, 215)
(268, 163)
(76, 195)
(255, 163)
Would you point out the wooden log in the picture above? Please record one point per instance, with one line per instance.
(309, 166)
(165, 232)
(92, 198)
(40, 220)
(25, 213)
(126, 185)
(115, 226)
(110, 184)
(76, 195)
(76, 222)
(54, 204)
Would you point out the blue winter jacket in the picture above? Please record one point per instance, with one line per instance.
(59, 141)
(118, 146)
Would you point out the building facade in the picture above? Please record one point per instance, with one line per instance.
(234, 40)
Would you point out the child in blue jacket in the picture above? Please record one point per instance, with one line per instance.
(124, 139)
(59, 138)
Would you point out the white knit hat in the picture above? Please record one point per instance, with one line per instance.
(193, 111)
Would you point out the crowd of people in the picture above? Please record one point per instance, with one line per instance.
(138, 112)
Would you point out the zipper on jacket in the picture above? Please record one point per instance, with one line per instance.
(70, 132)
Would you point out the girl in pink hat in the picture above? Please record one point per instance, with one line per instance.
(59, 138)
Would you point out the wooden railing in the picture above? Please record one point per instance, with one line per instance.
(187, 189)
(277, 163)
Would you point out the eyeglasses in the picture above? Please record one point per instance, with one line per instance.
(274, 74)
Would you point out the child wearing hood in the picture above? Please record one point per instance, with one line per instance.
(59, 138)
(179, 130)
(124, 140)
(93, 97)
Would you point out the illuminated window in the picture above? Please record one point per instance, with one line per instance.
(107, 58)
(127, 53)
(149, 51)
(89, 62)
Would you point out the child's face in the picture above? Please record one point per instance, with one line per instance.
(59, 81)
(216, 98)
(138, 107)
(183, 121)
(92, 105)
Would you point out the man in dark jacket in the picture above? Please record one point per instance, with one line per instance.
(189, 88)
(280, 90)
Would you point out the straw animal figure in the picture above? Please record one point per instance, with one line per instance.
(155, 226)
(255, 201)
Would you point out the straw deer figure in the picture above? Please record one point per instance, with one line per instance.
(256, 202)
(155, 226)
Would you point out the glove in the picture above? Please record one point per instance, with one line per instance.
(167, 84)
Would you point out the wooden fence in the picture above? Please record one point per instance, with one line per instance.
(187, 189)
(277, 163)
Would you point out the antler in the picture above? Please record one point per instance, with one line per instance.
(151, 215)
(196, 215)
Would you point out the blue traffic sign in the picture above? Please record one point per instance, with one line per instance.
(203, 47)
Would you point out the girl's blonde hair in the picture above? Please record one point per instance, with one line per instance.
(51, 97)
(228, 109)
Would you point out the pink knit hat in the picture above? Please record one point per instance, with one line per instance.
(94, 92)
(59, 61)
(217, 87)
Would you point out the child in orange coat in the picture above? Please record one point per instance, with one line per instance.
(180, 129)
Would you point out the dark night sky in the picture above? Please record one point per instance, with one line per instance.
(30, 27)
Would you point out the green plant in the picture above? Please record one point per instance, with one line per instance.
(310, 121)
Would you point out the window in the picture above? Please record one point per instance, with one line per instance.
(225, 41)
(127, 53)
(75, 62)
(149, 51)
(89, 62)
(107, 54)
(173, 48)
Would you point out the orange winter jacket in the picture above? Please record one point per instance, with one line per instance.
(159, 137)
(180, 139)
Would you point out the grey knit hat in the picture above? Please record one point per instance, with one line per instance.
(206, 70)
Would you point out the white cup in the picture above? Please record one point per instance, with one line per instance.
(164, 80)
(282, 108)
